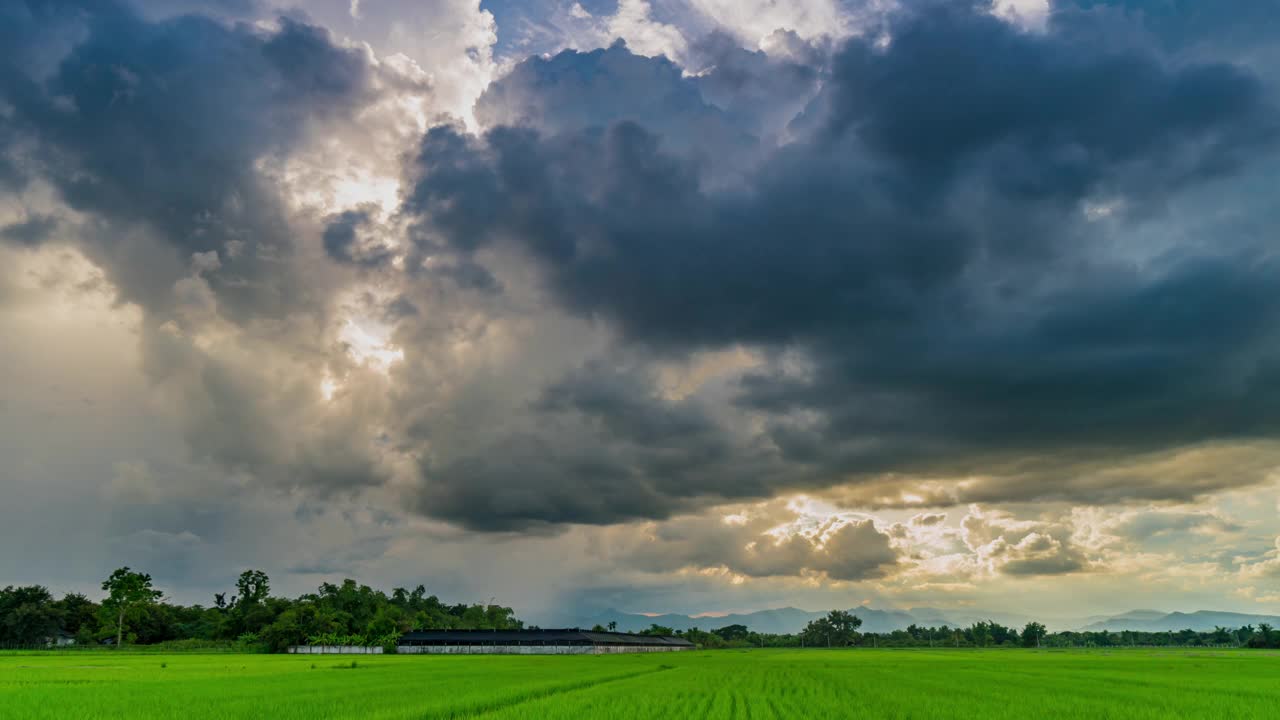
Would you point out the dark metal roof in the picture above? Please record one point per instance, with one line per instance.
(567, 636)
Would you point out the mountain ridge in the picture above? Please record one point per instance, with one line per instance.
(792, 619)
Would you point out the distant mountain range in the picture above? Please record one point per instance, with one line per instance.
(790, 620)
(1200, 620)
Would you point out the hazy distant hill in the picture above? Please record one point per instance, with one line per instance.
(1200, 620)
(779, 620)
(790, 620)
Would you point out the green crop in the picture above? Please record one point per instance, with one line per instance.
(757, 684)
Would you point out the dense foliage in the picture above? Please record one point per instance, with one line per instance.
(352, 614)
(839, 629)
(133, 612)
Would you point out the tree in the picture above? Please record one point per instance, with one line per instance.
(297, 626)
(78, 613)
(389, 620)
(127, 592)
(1033, 633)
(837, 628)
(254, 586)
(613, 626)
(1221, 635)
(249, 610)
(846, 624)
(1243, 635)
(1266, 637)
(28, 615)
(980, 632)
(703, 639)
(731, 633)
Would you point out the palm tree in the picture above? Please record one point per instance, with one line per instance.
(1264, 633)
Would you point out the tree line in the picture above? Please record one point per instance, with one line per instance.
(133, 611)
(840, 629)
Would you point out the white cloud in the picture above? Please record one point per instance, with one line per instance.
(1028, 14)
(1265, 569)
(755, 20)
(634, 23)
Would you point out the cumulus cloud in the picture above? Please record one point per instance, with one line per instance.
(1021, 547)
(800, 540)
(768, 540)
(755, 20)
(1266, 568)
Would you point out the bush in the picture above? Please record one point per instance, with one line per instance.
(389, 643)
(250, 643)
(192, 645)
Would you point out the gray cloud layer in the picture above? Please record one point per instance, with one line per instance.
(944, 243)
(956, 249)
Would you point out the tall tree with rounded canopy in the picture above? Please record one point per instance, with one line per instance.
(1033, 633)
(839, 627)
(127, 591)
(254, 586)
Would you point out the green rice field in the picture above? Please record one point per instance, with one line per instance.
(756, 684)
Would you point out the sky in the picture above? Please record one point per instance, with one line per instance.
(664, 306)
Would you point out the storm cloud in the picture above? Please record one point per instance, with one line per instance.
(943, 245)
(157, 130)
(698, 298)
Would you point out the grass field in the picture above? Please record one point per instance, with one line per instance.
(754, 684)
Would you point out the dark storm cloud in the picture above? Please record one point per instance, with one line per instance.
(605, 447)
(1125, 365)
(1058, 116)
(857, 225)
(342, 243)
(927, 243)
(159, 124)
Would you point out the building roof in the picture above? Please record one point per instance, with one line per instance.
(566, 636)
